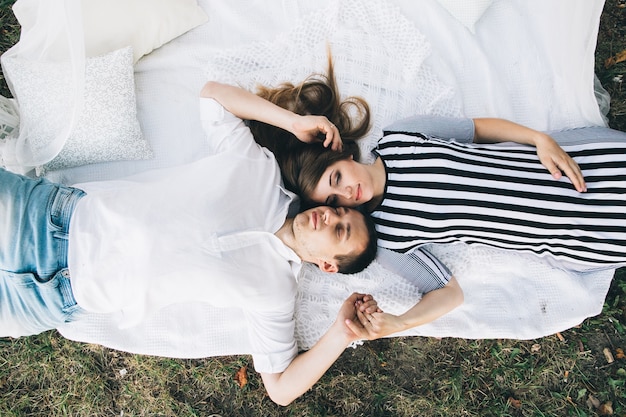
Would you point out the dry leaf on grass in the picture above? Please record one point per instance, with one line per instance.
(608, 355)
(241, 377)
(593, 402)
(514, 402)
(606, 409)
(619, 353)
(619, 57)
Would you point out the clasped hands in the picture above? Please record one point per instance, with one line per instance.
(363, 319)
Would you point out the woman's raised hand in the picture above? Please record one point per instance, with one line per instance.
(313, 129)
(558, 162)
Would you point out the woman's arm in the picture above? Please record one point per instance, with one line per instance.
(433, 305)
(308, 367)
(551, 155)
(246, 105)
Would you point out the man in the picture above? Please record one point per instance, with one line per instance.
(216, 231)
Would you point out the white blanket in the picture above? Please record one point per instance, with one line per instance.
(526, 60)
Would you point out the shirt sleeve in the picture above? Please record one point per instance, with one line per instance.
(590, 134)
(449, 128)
(226, 132)
(417, 266)
(272, 337)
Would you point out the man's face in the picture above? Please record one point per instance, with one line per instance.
(324, 232)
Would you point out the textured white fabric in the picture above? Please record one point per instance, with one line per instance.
(466, 12)
(50, 23)
(106, 129)
(9, 118)
(378, 55)
(500, 301)
(513, 67)
(530, 61)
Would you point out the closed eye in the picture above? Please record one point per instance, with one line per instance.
(343, 232)
(336, 175)
(343, 229)
(339, 229)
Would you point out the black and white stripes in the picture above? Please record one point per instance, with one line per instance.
(501, 195)
(417, 266)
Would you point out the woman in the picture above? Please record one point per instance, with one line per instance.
(422, 189)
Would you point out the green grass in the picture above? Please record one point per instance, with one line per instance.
(9, 35)
(49, 376)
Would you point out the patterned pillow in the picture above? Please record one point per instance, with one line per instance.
(106, 129)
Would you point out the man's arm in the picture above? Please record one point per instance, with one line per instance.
(249, 106)
(551, 155)
(308, 367)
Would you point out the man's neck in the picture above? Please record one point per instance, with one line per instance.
(285, 234)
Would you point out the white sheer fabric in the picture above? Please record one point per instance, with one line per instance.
(55, 35)
(527, 60)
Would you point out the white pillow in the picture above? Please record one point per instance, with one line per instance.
(466, 11)
(107, 129)
(113, 24)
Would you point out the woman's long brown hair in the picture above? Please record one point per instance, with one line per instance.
(317, 95)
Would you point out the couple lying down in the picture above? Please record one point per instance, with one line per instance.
(445, 180)
(182, 234)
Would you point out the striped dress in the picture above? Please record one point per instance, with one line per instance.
(441, 191)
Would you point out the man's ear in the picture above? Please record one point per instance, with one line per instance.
(327, 266)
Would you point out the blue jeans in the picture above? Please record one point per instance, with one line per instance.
(35, 290)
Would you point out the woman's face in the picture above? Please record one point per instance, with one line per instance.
(345, 183)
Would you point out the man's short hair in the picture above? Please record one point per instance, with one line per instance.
(356, 262)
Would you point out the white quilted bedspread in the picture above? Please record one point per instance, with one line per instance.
(530, 61)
